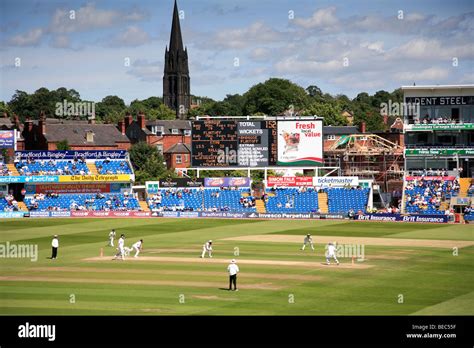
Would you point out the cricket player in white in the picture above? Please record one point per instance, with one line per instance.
(331, 253)
(308, 240)
(121, 245)
(207, 247)
(111, 238)
(233, 269)
(137, 246)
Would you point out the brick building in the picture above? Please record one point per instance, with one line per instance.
(45, 134)
(172, 138)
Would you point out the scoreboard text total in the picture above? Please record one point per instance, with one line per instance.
(224, 143)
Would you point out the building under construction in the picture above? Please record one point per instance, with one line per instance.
(377, 156)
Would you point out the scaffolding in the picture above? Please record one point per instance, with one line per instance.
(368, 156)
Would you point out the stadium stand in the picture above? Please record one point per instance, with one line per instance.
(426, 196)
(8, 203)
(228, 200)
(4, 171)
(292, 200)
(202, 200)
(52, 167)
(64, 202)
(469, 213)
(343, 200)
(113, 167)
(175, 200)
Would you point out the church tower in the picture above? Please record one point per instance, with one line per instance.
(176, 86)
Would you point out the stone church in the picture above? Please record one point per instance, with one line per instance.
(176, 81)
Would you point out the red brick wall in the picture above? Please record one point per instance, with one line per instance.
(168, 140)
(171, 160)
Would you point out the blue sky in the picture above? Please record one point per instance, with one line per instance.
(341, 46)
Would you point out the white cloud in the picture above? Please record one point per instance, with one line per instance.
(294, 65)
(61, 41)
(146, 70)
(89, 18)
(132, 36)
(324, 19)
(260, 54)
(30, 38)
(432, 74)
(256, 33)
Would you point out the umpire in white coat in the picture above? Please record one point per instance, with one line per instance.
(233, 269)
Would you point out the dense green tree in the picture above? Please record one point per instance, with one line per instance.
(274, 97)
(331, 112)
(63, 145)
(147, 162)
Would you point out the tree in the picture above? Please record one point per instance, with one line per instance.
(63, 145)
(274, 97)
(314, 91)
(111, 109)
(164, 113)
(147, 162)
(330, 111)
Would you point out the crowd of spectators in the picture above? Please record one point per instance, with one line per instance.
(425, 194)
(52, 167)
(10, 203)
(4, 171)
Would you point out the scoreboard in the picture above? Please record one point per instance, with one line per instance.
(224, 143)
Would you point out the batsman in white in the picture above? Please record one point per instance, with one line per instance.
(308, 240)
(121, 250)
(331, 253)
(138, 246)
(207, 247)
(111, 238)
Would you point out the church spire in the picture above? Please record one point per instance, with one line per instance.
(176, 81)
(176, 41)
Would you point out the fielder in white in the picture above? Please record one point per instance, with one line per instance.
(111, 238)
(138, 246)
(331, 253)
(308, 240)
(207, 247)
(121, 250)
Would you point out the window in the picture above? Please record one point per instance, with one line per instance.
(187, 132)
(178, 159)
(175, 131)
(159, 147)
(331, 137)
(158, 130)
(185, 158)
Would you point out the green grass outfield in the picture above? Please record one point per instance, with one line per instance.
(431, 280)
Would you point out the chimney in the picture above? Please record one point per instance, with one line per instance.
(90, 136)
(5, 115)
(362, 127)
(42, 126)
(28, 125)
(128, 120)
(121, 127)
(385, 119)
(16, 120)
(42, 123)
(141, 120)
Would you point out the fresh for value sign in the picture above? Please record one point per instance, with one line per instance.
(300, 143)
(7, 139)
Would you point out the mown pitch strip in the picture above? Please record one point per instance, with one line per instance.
(226, 261)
